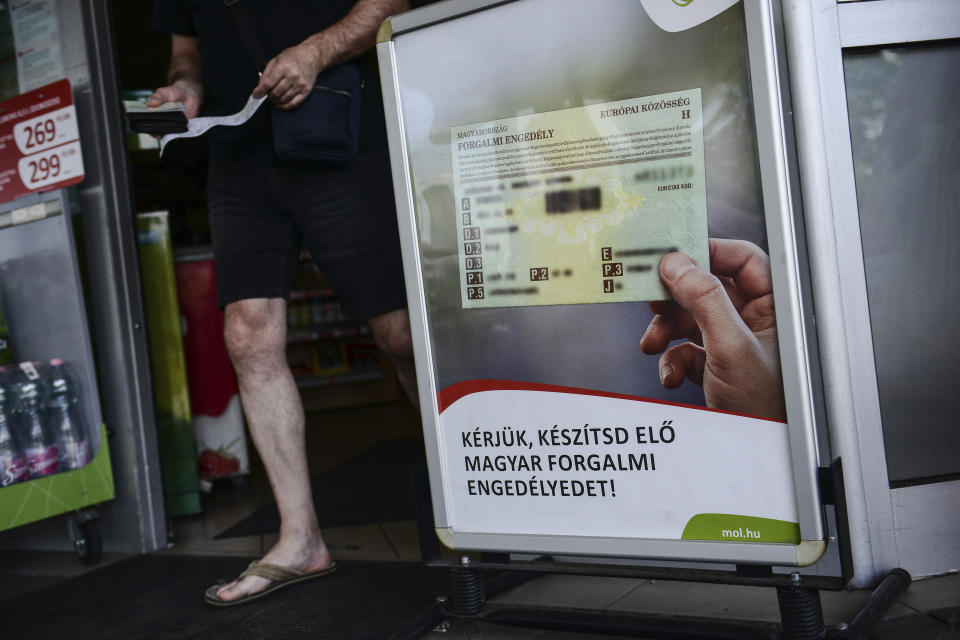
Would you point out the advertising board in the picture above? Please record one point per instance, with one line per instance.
(602, 268)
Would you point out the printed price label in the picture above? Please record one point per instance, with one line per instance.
(29, 214)
(39, 142)
(56, 165)
(46, 131)
(29, 370)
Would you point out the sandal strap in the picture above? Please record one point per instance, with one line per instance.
(273, 572)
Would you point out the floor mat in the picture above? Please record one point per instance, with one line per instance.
(372, 487)
(160, 596)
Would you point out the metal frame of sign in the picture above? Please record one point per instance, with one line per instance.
(792, 311)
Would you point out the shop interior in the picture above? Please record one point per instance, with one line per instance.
(360, 426)
(207, 492)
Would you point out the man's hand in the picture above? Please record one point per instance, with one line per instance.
(184, 77)
(728, 320)
(183, 91)
(289, 78)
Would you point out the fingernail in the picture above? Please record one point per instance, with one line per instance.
(675, 265)
(666, 370)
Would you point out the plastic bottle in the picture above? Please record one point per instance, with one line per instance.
(13, 463)
(6, 355)
(64, 418)
(39, 445)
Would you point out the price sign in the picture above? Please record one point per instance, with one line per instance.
(39, 142)
(58, 166)
(46, 131)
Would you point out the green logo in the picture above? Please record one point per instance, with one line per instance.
(683, 3)
(730, 527)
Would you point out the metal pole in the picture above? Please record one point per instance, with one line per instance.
(890, 588)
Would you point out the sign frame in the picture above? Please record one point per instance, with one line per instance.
(793, 308)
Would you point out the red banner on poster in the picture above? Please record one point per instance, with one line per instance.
(39, 142)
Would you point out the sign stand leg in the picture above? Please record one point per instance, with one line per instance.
(884, 595)
(467, 589)
(800, 612)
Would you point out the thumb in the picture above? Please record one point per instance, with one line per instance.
(703, 296)
(159, 97)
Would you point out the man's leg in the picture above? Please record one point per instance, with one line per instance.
(255, 333)
(347, 218)
(392, 334)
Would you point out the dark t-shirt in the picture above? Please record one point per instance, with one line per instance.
(229, 73)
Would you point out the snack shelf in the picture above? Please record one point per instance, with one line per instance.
(363, 375)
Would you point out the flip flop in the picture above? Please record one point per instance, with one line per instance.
(280, 577)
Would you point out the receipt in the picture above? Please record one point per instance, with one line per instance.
(199, 126)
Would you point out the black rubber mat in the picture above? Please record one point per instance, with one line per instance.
(372, 487)
(160, 596)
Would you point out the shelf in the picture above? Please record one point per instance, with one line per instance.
(363, 375)
(307, 294)
(317, 334)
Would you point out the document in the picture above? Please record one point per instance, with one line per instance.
(36, 33)
(579, 205)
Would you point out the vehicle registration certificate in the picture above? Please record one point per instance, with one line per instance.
(579, 205)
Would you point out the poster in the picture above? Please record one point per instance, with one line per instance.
(586, 219)
(578, 205)
(168, 366)
(36, 35)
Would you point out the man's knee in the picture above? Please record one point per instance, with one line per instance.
(254, 330)
(391, 331)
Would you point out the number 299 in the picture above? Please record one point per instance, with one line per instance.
(44, 167)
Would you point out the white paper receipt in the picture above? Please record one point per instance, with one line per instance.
(578, 205)
(199, 126)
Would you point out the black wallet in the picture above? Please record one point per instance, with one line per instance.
(167, 118)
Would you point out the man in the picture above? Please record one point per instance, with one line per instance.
(260, 210)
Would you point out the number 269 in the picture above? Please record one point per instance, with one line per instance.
(41, 133)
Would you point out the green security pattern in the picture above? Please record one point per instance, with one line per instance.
(729, 527)
(62, 492)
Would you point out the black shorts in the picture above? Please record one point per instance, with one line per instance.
(344, 215)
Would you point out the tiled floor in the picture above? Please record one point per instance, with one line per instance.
(929, 610)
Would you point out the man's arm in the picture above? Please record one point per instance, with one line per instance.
(184, 80)
(289, 77)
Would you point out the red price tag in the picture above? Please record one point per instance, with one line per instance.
(39, 142)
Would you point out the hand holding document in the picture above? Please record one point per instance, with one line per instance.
(169, 119)
(726, 314)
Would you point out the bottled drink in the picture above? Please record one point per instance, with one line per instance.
(39, 445)
(13, 463)
(64, 419)
(6, 357)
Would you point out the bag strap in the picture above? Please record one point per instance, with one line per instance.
(248, 31)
